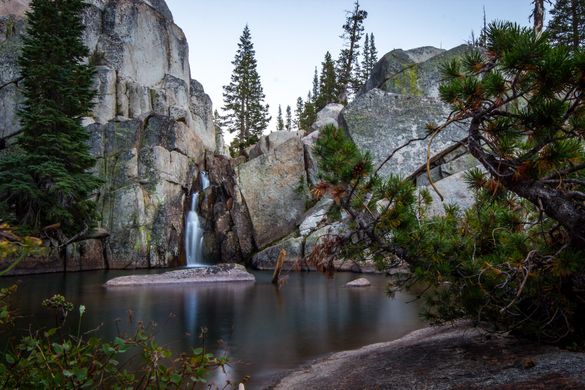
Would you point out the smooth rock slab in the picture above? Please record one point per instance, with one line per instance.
(361, 282)
(444, 358)
(211, 274)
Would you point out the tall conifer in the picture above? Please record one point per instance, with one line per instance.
(327, 83)
(288, 121)
(279, 120)
(246, 114)
(567, 24)
(45, 180)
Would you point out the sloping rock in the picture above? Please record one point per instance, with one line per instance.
(446, 357)
(379, 122)
(414, 72)
(212, 274)
(454, 190)
(269, 142)
(266, 259)
(315, 216)
(329, 115)
(311, 160)
(273, 187)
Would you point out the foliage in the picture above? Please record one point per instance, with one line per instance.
(353, 30)
(279, 120)
(327, 84)
(56, 359)
(45, 180)
(503, 263)
(369, 59)
(246, 115)
(567, 24)
(15, 248)
(288, 120)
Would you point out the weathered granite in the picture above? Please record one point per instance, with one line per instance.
(379, 122)
(266, 259)
(458, 357)
(329, 115)
(211, 274)
(274, 189)
(454, 190)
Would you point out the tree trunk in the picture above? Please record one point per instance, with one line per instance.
(554, 203)
(538, 15)
(575, 25)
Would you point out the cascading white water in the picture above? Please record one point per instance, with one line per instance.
(193, 229)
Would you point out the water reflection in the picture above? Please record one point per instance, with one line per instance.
(266, 330)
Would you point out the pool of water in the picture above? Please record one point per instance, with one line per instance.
(265, 331)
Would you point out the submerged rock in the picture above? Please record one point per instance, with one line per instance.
(446, 357)
(361, 282)
(211, 274)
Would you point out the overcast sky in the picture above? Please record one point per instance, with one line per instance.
(291, 37)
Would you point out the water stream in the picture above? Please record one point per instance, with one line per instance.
(193, 229)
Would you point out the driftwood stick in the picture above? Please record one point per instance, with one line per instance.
(278, 267)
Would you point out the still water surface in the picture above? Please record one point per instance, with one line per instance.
(265, 330)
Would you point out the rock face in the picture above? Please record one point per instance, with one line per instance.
(274, 188)
(150, 126)
(412, 72)
(447, 357)
(454, 190)
(380, 122)
(213, 274)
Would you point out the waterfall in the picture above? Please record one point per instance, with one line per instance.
(193, 229)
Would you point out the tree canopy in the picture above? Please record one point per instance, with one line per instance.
(44, 180)
(245, 111)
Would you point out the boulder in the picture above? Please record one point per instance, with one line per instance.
(454, 190)
(273, 187)
(266, 259)
(315, 216)
(329, 115)
(221, 273)
(414, 72)
(380, 122)
(311, 160)
(269, 142)
(332, 231)
(361, 282)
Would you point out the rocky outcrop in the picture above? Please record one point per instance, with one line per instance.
(329, 115)
(150, 127)
(380, 122)
(212, 274)
(414, 72)
(458, 357)
(274, 187)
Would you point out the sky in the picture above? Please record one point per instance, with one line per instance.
(291, 37)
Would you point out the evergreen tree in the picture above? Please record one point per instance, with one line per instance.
(373, 53)
(327, 83)
(288, 122)
(309, 113)
(243, 98)
(315, 90)
(45, 180)
(353, 30)
(298, 113)
(279, 120)
(567, 24)
(365, 70)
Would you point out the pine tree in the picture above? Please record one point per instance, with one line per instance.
(315, 90)
(567, 24)
(243, 98)
(279, 120)
(45, 180)
(298, 113)
(365, 70)
(288, 122)
(373, 53)
(353, 30)
(327, 83)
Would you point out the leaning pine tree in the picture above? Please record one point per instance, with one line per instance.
(44, 179)
(243, 97)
